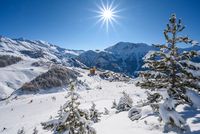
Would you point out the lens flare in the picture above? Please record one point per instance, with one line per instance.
(107, 14)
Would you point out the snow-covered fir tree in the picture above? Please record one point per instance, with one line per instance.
(94, 113)
(71, 119)
(114, 104)
(125, 103)
(106, 111)
(35, 131)
(172, 71)
(21, 131)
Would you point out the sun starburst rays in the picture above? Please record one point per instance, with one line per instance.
(107, 14)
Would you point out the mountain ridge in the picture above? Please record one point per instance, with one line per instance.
(123, 57)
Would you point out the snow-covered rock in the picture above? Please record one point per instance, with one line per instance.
(134, 113)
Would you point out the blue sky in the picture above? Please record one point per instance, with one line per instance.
(71, 23)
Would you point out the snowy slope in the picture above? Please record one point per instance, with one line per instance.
(21, 112)
(35, 49)
(14, 76)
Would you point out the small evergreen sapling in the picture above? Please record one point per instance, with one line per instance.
(114, 105)
(35, 131)
(106, 111)
(21, 131)
(94, 113)
(71, 119)
(125, 103)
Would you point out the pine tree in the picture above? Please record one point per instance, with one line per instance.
(170, 69)
(35, 131)
(106, 111)
(114, 104)
(21, 131)
(125, 103)
(71, 119)
(94, 113)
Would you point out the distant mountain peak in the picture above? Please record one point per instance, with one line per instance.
(126, 45)
(125, 57)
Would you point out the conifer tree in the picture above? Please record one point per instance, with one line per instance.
(171, 70)
(35, 131)
(125, 103)
(106, 111)
(71, 119)
(114, 104)
(21, 131)
(94, 113)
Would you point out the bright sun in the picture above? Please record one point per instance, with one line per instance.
(107, 14)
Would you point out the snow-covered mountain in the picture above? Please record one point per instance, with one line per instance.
(36, 49)
(35, 58)
(123, 57)
(34, 70)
